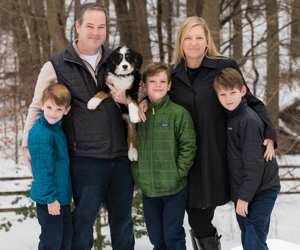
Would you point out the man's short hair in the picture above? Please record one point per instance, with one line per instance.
(228, 79)
(91, 6)
(58, 94)
(154, 68)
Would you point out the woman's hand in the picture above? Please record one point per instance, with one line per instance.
(143, 106)
(270, 151)
(117, 94)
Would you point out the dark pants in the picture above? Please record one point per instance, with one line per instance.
(164, 219)
(102, 181)
(56, 229)
(200, 221)
(255, 227)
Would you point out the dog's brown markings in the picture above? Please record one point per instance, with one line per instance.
(101, 95)
(131, 101)
(131, 128)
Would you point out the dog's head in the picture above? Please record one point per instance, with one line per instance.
(123, 61)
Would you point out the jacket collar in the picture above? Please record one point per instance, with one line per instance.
(158, 105)
(243, 104)
(73, 54)
(180, 70)
(206, 62)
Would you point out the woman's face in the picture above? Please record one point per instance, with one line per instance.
(194, 44)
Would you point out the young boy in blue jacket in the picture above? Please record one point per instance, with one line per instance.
(51, 188)
(254, 182)
(166, 145)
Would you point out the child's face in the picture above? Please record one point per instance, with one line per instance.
(230, 99)
(157, 87)
(52, 112)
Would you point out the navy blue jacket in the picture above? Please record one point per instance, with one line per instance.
(50, 163)
(249, 172)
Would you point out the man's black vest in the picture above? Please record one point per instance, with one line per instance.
(90, 133)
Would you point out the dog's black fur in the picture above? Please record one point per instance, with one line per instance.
(122, 71)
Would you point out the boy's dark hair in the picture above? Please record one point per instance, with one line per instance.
(155, 68)
(58, 94)
(228, 79)
(91, 6)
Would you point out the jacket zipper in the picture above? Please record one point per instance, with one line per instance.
(73, 129)
(151, 150)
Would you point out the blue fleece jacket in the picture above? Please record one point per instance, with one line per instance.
(50, 163)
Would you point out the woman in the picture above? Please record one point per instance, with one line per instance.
(196, 62)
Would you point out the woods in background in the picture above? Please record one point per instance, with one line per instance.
(263, 36)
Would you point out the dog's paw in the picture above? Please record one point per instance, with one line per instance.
(132, 153)
(93, 103)
(133, 113)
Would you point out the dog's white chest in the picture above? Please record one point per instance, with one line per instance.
(121, 82)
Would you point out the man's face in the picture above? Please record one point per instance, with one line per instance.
(92, 32)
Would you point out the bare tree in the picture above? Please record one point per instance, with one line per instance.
(194, 7)
(159, 30)
(295, 30)
(272, 86)
(211, 14)
(237, 31)
(142, 29)
(56, 22)
(124, 23)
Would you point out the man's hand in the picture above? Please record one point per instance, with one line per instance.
(143, 106)
(270, 151)
(242, 208)
(27, 158)
(117, 94)
(54, 208)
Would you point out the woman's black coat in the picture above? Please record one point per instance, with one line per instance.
(208, 177)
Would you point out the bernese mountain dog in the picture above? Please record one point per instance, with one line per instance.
(123, 66)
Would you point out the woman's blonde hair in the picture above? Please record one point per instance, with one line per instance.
(184, 28)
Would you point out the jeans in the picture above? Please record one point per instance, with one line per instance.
(164, 219)
(56, 230)
(102, 181)
(255, 227)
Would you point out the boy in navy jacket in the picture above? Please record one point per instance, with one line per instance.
(51, 188)
(254, 182)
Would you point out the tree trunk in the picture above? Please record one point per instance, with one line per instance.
(194, 7)
(56, 24)
(211, 14)
(159, 31)
(272, 86)
(169, 28)
(143, 36)
(295, 30)
(237, 32)
(124, 23)
(22, 47)
(42, 30)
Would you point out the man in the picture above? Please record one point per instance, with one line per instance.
(100, 169)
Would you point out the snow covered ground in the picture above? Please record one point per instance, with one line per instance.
(284, 230)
